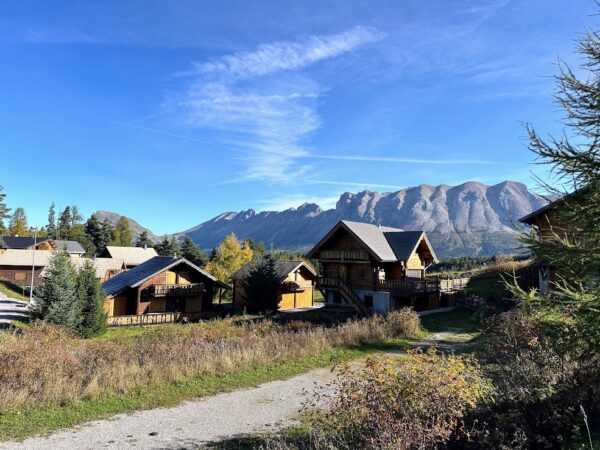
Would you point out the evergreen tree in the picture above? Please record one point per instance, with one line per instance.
(56, 297)
(95, 232)
(213, 255)
(261, 287)
(18, 223)
(64, 223)
(51, 227)
(4, 211)
(144, 240)
(574, 253)
(168, 247)
(108, 233)
(88, 318)
(76, 217)
(78, 233)
(123, 232)
(192, 253)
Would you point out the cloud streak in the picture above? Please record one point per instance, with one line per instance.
(268, 116)
(393, 159)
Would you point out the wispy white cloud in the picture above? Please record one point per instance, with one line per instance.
(355, 184)
(279, 56)
(268, 116)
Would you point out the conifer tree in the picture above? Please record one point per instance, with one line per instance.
(56, 297)
(144, 240)
(76, 216)
(261, 287)
(192, 253)
(4, 211)
(95, 232)
(574, 253)
(88, 318)
(108, 233)
(123, 232)
(51, 227)
(64, 223)
(18, 223)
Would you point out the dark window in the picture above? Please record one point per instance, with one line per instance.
(337, 298)
(369, 301)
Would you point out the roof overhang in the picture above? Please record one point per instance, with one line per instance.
(341, 224)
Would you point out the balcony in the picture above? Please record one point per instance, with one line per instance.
(344, 255)
(176, 290)
(296, 286)
(409, 286)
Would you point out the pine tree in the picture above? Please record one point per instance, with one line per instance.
(51, 227)
(4, 211)
(192, 253)
(123, 232)
(94, 230)
(261, 287)
(575, 255)
(64, 223)
(56, 297)
(88, 318)
(162, 248)
(76, 216)
(18, 223)
(144, 240)
(108, 233)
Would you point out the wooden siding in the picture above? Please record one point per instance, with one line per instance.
(21, 276)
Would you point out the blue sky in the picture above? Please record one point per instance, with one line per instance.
(172, 112)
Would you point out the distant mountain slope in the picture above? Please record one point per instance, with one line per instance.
(136, 228)
(469, 219)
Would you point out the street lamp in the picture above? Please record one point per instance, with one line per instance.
(35, 230)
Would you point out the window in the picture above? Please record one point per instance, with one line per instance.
(368, 301)
(337, 298)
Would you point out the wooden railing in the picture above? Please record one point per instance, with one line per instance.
(344, 255)
(345, 290)
(297, 286)
(168, 290)
(453, 284)
(416, 286)
(152, 319)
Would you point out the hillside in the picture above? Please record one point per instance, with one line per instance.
(136, 228)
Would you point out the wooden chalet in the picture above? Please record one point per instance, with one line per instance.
(74, 248)
(298, 279)
(162, 289)
(547, 222)
(132, 256)
(16, 266)
(379, 269)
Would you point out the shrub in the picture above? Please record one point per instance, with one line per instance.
(415, 404)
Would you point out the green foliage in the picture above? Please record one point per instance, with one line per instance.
(192, 253)
(51, 227)
(144, 240)
(64, 223)
(262, 287)
(122, 233)
(168, 247)
(4, 210)
(18, 223)
(70, 299)
(97, 233)
(89, 318)
(56, 297)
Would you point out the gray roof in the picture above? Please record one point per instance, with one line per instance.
(71, 246)
(283, 269)
(27, 242)
(386, 244)
(136, 276)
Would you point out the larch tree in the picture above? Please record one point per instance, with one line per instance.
(230, 256)
(574, 160)
(18, 223)
(123, 232)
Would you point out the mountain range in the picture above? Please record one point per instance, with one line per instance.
(465, 220)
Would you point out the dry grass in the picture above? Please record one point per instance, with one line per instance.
(45, 365)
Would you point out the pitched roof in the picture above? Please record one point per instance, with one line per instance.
(283, 268)
(70, 246)
(132, 256)
(386, 244)
(136, 276)
(18, 242)
(24, 258)
(529, 219)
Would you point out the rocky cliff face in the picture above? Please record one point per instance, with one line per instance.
(136, 228)
(469, 219)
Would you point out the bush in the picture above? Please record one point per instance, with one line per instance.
(415, 404)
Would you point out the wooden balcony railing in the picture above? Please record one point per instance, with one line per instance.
(344, 255)
(410, 286)
(178, 290)
(297, 286)
(152, 319)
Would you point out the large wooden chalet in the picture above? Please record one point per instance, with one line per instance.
(379, 269)
(162, 289)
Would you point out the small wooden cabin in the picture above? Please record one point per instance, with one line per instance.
(162, 289)
(74, 248)
(298, 279)
(377, 269)
(547, 222)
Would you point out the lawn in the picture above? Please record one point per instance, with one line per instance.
(12, 290)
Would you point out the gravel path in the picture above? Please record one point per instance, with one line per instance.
(193, 424)
(11, 309)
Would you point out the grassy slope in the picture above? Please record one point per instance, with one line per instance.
(23, 423)
(11, 290)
